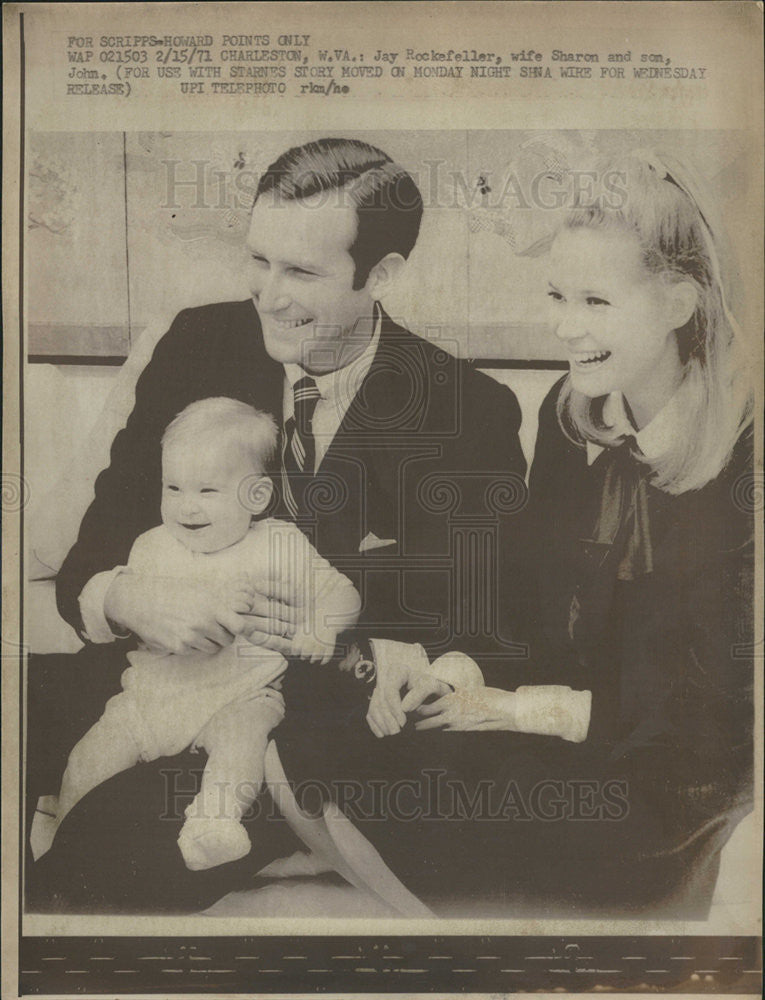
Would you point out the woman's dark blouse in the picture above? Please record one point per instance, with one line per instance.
(667, 655)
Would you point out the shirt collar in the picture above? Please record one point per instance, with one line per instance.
(343, 384)
(652, 440)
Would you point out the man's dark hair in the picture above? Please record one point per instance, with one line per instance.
(388, 202)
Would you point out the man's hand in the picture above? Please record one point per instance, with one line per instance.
(175, 615)
(387, 712)
(270, 620)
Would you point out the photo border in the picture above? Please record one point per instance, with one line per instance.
(577, 963)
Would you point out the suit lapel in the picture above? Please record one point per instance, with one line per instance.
(388, 396)
(365, 455)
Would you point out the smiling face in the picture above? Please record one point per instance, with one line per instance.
(201, 488)
(614, 317)
(302, 281)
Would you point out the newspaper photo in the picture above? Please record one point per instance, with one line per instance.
(382, 498)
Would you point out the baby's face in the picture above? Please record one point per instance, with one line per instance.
(201, 488)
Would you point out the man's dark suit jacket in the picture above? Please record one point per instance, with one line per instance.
(427, 456)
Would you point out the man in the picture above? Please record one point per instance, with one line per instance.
(331, 227)
(390, 447)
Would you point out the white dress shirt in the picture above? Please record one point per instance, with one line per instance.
(337, 390)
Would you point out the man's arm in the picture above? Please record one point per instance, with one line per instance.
(208, 351)
(463, 508)
(127, 493)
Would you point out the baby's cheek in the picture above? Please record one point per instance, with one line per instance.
(165, 510)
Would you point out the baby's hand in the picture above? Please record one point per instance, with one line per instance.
(331, 605)
(308, 644)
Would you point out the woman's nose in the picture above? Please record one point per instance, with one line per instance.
(570, 326)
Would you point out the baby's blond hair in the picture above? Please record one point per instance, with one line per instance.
(221, 420)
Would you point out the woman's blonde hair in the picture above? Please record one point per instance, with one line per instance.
(663, 206)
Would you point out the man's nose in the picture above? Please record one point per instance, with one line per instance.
(271, 296)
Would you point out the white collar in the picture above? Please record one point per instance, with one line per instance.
(340, 386)
(652, 440)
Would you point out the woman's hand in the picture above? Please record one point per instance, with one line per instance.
(478, 708)
(387, 711)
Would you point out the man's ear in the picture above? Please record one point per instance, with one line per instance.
(682, 299)
(384, 274)
(259, 493)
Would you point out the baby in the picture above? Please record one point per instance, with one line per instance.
(214, 455)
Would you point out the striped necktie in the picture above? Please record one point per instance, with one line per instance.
(298, 445)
